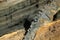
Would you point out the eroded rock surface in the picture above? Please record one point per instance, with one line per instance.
(28, 15)
(50, 31)
(17, 35)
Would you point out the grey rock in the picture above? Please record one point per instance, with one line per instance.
(38, 12)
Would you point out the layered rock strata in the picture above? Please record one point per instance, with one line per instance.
(27, 14)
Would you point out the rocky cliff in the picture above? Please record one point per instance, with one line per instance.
(29, 15)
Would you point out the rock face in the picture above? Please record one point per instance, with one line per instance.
(49, 32)
(17, 35)
(28, 15)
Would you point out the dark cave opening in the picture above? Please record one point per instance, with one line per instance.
(27, 24)
(37, 6)
(56, 16)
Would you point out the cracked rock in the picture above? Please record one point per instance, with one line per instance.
(28, 15)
